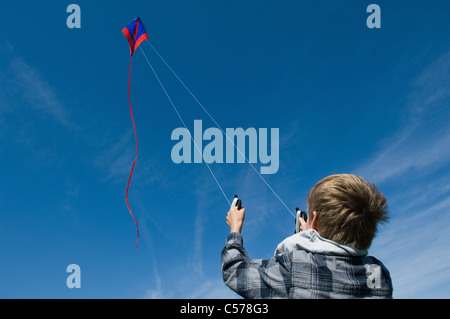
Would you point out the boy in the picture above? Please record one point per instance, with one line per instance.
(327, 259)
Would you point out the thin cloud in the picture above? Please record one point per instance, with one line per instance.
(27, 82)
(414, 245)
(406, 154)
(416, 252)
(420, 143)
(431, 87)
(116, 156)
(157, 292)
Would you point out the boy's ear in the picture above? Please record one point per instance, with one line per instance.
(314, 223)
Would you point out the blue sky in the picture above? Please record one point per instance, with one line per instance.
(346, 98)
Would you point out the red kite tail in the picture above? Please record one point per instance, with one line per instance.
(137, 151)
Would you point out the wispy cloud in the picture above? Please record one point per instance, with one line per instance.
(422, 142)
(431, 87)
(30, 108)
(27, 82)
(408, 152)
(414, 245)
(116, 156)
(156, 292)
(415, 250)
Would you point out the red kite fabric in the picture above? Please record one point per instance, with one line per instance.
(135, 34)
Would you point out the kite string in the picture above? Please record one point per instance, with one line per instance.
(137, 151)
(215, 122)
(184, 124)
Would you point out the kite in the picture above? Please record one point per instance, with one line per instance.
(135, 34)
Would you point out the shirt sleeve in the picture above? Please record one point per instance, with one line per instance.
(254, 278)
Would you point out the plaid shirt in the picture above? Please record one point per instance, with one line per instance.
(302, 274)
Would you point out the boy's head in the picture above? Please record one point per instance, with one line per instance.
(348, 208)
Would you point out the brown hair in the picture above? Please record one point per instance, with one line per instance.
(348, 208)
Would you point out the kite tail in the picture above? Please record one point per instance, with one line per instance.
(137, 151)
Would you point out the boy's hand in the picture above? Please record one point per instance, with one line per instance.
(310, 224)
(235, 219)
(303, 225)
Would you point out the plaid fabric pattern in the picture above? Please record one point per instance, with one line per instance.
(302, 274)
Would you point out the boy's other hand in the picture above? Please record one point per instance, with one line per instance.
(235, 219)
